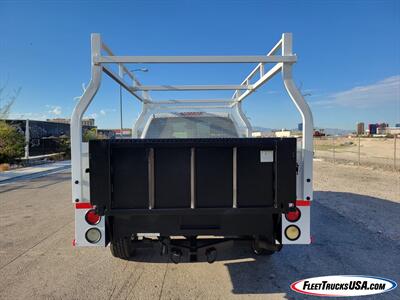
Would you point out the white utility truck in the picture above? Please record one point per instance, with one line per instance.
(191, 177)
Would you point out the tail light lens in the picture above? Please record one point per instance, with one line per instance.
(93, 235)
(92, 218)
(292, 232)
(293, 216)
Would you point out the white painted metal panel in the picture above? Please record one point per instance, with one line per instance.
(195, 59)
(303, 224)
(85, 183)
(81, 226)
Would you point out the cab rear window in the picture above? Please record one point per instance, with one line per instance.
(191, 127)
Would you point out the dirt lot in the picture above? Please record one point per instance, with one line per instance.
(374, 152)
(354, 222)
(370, 197)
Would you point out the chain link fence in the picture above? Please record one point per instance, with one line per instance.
(360, 151)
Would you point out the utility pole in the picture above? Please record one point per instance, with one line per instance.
(27, 138)
(121, 74)
(359, 150)
(394, 152)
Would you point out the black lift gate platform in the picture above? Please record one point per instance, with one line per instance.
(192, 187)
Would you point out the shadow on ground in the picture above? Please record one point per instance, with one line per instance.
(343, 245)
(377, 215)
(23, 183)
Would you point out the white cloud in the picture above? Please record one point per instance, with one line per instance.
(105, 111)
(380, 93)
(101, 113)
(271, 92)
(54, 110)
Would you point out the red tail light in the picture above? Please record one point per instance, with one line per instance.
(293, 216)
(92, 218)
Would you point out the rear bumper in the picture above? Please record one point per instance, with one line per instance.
(187, 222)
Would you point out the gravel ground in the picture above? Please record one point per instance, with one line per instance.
(37, 260)
(367, 196)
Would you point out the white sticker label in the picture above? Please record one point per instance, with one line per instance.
(266, 156)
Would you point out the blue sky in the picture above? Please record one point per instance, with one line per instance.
(348, 55)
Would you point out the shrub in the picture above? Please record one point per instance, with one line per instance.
(89, 134)
(4, 167)
(12, 143)
(64, 144)
(56, 157)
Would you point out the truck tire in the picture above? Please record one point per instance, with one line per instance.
(259, 250)
(122, 248)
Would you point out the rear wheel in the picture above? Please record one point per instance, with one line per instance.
(258, 246)
(123, 248)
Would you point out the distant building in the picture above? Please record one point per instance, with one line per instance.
(318, 133)
(256, 134)
(85, 121)
(88, 122)
(282, 133)
(41, 129)
(393, 130)
(115, 133)
(300, 127)
(44, 137)
(397, 125)
(360, 128)
(126, 132)
(372, 128)
(383, 125)
(59, 120)
(381, 128)
(106, 133)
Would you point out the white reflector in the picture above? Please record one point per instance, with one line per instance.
(93, 235)
(292, 232)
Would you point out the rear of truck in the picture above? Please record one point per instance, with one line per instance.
(191, 178)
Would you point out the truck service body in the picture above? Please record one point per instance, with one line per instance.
(191, 177)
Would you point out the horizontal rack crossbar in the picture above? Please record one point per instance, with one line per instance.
(196, 59)
(190, 87)
(209, 106)
(227, 101)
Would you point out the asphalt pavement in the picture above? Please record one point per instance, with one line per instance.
(33, 171)
(38, 261)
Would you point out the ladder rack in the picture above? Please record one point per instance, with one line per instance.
(280, 57)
